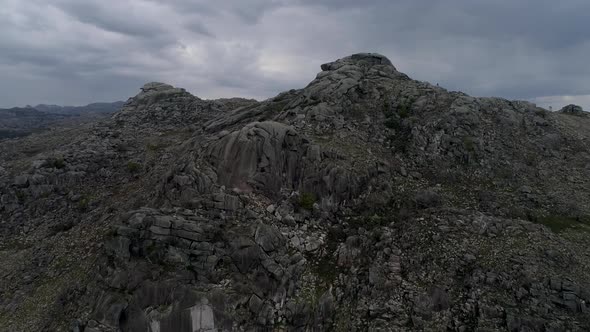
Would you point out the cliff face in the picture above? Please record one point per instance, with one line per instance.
(364, 201)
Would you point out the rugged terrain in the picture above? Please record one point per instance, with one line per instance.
(23, 121)
(366, 201)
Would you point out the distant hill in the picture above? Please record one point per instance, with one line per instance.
(22, 121)
(95, 108)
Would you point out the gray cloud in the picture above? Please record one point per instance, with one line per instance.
(68, 51)
(110, 20)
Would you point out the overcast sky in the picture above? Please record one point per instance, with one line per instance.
(80, 51)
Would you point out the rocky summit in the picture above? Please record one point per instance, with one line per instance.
(366, 201)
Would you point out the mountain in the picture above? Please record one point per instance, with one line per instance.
(366, 201)
(95, 108)
(19, 122)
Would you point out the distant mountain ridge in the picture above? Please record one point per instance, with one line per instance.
(22, 121)
(90, 108)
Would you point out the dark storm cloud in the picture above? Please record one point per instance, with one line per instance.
(110, 20)
(199, 28)
(70, 51)
(248, 12)
(515, 49)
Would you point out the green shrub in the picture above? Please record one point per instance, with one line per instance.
(468, 143)
(403, 111)
(400, 141)
(531, 159)
(83, 204)
(404, 108)
(386, 108)
(152, 147)
(306, 201)
(392, 123)
(156, 146)
(59, 163)
(560, 223)
(133, 167)
(20, 196)
(357, 112)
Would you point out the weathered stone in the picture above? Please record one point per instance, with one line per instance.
(21, 181)
(127, 231)
(162, 221)
(255, 304)
(258, 155)
(193, 236)
(137, 220)
(119, 246)
(269, 237)
(245, 255)
(159, 230)
(109, 309)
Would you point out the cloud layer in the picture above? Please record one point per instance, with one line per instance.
(76, 52)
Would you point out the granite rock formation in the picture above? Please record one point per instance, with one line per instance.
(366, 201)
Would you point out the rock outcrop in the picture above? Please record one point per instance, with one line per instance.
(366, 201)
(573, 110)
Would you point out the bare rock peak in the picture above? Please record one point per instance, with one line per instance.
(155, 86)
(359, 59)
(154, 91)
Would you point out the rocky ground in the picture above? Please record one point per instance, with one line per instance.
(366, 201)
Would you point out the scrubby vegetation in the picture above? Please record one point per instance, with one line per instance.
(133, 167)
(306, 200)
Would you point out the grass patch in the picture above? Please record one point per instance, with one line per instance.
(369, 222)
(403, 109)
(21, 196)
(323, 270)
(558, 224)
(386, 108)
(392, 123)
(133, 167)
(84, 203)
(394, 119)
(468, 143)
(306, 201)
(182, 133)
(531, 159)
(154, 147)
(58, 163)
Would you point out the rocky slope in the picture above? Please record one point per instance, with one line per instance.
(364, 201)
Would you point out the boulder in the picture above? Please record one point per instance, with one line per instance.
(261, 155)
